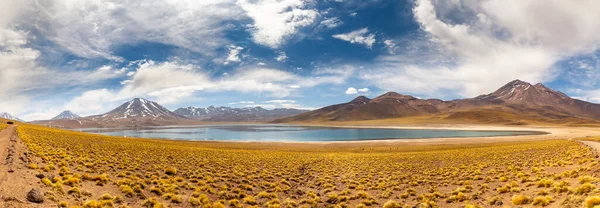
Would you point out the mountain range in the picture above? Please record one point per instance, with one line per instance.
(516, 103)
(142, 112)
(227, 114)
(136, 112)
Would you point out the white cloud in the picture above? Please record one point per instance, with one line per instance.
(21, 76)
(280, 101)
(93, 102)
(295, 86)
(351, 91)
(267, 106)
(234, 54)
(277, 20)
(332, 22)
(360, 36)
(281, 57)
(390, 46)
(586, 95)
(271, 104)
(184, 80)
(241, 102)
(91, 28)
(502, 41)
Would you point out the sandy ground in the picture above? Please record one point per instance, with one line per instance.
(593, 145)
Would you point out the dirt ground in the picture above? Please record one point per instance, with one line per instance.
(15, 179)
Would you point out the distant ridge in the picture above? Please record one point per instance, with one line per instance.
(8, 116)
(225, 114)
(517, 102)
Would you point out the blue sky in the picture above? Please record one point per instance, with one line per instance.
(90, 56)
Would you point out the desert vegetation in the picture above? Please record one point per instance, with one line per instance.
(2, 126)
(84, 170)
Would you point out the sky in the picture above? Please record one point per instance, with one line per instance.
(91, 56)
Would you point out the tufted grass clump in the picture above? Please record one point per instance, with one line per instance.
(127, 190)
(520, 200)
(63, 204)
(585, 188)
(178, 199)
(152, 202)
(542, 201)
(587, 179)
(591, 201)
(170, 170)
(92, 204)
(392, 204)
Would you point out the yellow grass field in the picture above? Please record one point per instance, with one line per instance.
(84, 170)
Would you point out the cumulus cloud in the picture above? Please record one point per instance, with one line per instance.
(93, 102)
(281, 57)
(500, 42)
(351, 91)
(234, 54)
(277, 20)
(360, 36)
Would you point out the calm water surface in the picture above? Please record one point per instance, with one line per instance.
(290, 133)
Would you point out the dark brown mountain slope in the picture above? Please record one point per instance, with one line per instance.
(513, 103)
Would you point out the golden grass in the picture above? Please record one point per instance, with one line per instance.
(3, 126)
(155, 173)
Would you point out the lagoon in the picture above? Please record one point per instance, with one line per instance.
(290, 133)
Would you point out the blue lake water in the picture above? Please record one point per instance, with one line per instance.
(290, 133)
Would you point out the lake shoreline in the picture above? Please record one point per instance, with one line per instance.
(517, 132)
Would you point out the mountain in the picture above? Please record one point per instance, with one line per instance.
(388, 105)
(9, 117)
(139, 112)
(517, 102)
(134, 113)
(227, 114)
(67, 115)
(138, 108)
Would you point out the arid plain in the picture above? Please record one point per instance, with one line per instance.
(72, 169)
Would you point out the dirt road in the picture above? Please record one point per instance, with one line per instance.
(593, 145)
(15, 179)
(5, 136)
